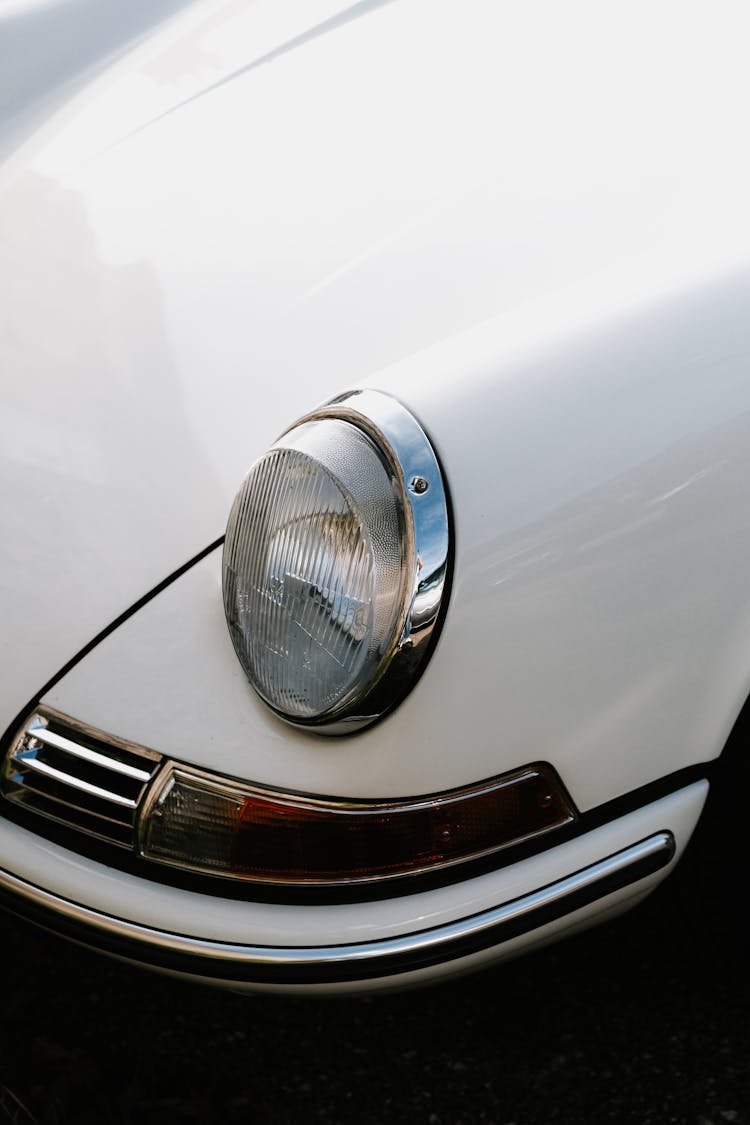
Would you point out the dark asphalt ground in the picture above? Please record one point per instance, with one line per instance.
(644, 1020)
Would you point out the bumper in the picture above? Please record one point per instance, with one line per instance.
(396, 942)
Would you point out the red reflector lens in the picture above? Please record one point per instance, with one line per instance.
(232, 830)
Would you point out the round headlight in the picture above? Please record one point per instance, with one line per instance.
(335, 562)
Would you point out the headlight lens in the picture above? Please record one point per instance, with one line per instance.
(314, 568)
(322, 569)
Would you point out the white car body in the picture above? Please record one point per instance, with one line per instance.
(528, 224)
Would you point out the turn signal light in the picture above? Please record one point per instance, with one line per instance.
(212, 825)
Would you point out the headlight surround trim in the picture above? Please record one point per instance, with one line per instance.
(408, 456)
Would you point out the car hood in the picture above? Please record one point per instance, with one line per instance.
(265, 204)
(147, 357)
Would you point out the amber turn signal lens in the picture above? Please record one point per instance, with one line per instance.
(228, 829)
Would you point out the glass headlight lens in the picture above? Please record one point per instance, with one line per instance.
(321, 567)
(314, 570)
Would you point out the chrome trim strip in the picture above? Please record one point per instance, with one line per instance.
(27, 759)
(42, 715)
(27, 796)
(311, 964)
(49, 738)
(221, 782)
(105, 834)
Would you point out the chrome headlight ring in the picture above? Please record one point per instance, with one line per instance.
(336, 563)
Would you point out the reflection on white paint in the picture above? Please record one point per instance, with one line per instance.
(700, 475)
(12, 8)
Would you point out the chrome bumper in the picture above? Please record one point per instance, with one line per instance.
(347, 962)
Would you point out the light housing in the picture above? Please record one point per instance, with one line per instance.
(97, 785)
(336, 563)
(205, 823)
